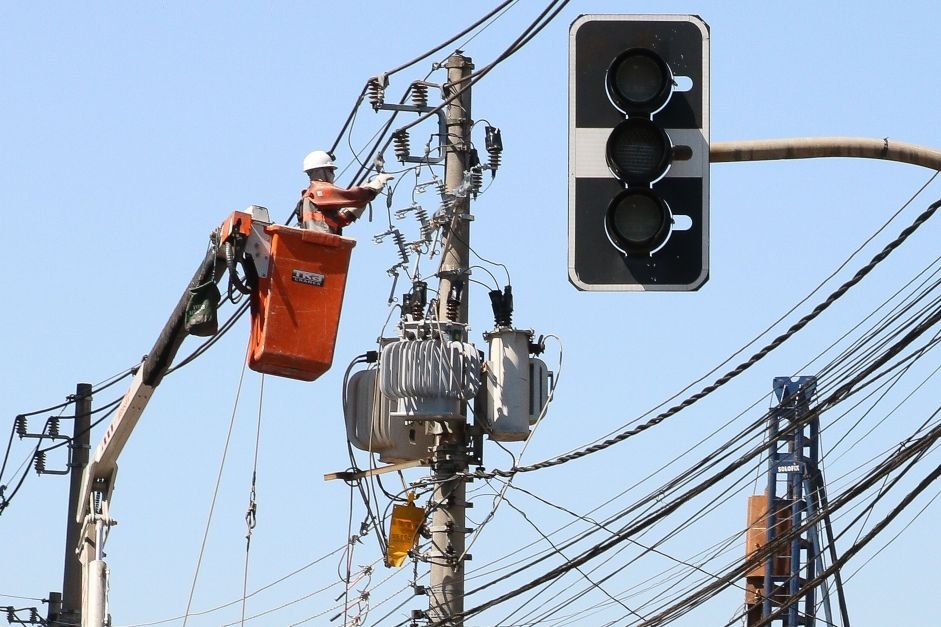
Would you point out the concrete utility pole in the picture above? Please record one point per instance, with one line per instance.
(71, 604)
(446, 594)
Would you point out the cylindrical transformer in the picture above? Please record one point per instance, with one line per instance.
(508, 387)
(369, 426)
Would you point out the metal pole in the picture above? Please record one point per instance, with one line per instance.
(72, 574)
(815, 147)
(446, 594)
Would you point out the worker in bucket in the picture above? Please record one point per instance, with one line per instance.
(324, 206)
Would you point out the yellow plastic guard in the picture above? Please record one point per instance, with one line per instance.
(403, 531)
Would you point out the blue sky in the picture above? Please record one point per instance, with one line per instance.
(129, 132)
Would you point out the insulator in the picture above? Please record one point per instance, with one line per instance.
(502, 305)
(476, 177)
(399, 240)
(508, 305)
(419, 94)
(401, 146)
(19, 423)
(406, 304)
(447, 200)
(419, 298)
(417, 311)
(455, 295)
(494, 148)
(39, 461)
(427, 228)
(477, 181)
(376, 91)
(447, 206)
(53, 427)
(494, 164)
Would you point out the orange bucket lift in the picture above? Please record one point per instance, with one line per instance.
(296, 302)
(296, 307)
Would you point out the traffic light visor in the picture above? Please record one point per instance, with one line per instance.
(639, 81)
(638, 151)
(638, 222)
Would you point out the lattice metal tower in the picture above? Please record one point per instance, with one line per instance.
(788, 522)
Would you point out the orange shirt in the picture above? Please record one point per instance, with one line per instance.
(323, 211)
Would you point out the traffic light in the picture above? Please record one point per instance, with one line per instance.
(638, 152)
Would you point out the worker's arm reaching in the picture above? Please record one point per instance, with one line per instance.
(326, 207)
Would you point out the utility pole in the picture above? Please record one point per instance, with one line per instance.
(446, 594)
(68, 611)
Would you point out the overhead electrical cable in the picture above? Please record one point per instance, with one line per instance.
(108, 408)
(896, 352)
(5, 499)
(535, 27)
(888, 465)
(202, 348)
(215, 494)
(417, 59)
(250, 514)
(742, 566)
(858, 546)
(795, 328)
(895, 537)
(691, 471)
(842, 393)
(239, 600)
(541, 21)
(500, 7)
(593, 583)
(793, 308)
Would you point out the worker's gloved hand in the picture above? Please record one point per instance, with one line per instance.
(379, 181)
(354, 212)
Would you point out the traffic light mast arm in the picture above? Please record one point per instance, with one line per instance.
(814, 147)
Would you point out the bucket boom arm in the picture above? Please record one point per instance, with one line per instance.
(99, 476)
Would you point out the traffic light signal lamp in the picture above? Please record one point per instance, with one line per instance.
(638, 152)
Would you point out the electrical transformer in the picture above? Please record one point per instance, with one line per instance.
(517, 385)
(370, 426)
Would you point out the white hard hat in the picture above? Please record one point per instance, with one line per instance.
(318, 159)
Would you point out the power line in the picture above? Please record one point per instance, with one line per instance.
(842, 393)
(250, 595)
(794, 329)
(791, 310)
(215, 494)
(541, 21)
(417, 59)
(528, 33)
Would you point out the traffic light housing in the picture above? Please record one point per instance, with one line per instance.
(638, 152)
